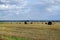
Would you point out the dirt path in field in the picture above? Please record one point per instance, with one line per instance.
(35, 34)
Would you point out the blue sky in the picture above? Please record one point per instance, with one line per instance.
(29, 9)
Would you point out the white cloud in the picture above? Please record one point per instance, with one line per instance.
(12, 1)
(4, 0)
(10, 7)
(49, 9)
(5, 7)
(53, 8)
(35, 7)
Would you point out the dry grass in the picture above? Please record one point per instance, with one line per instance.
(32, 31)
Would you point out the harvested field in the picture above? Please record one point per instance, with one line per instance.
(30, 31)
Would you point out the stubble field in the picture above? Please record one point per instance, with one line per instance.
(35, 31)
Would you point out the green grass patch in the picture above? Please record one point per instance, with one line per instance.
(15, 38)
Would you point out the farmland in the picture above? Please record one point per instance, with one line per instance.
(35, 31)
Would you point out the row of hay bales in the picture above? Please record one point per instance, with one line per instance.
(48, 23)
